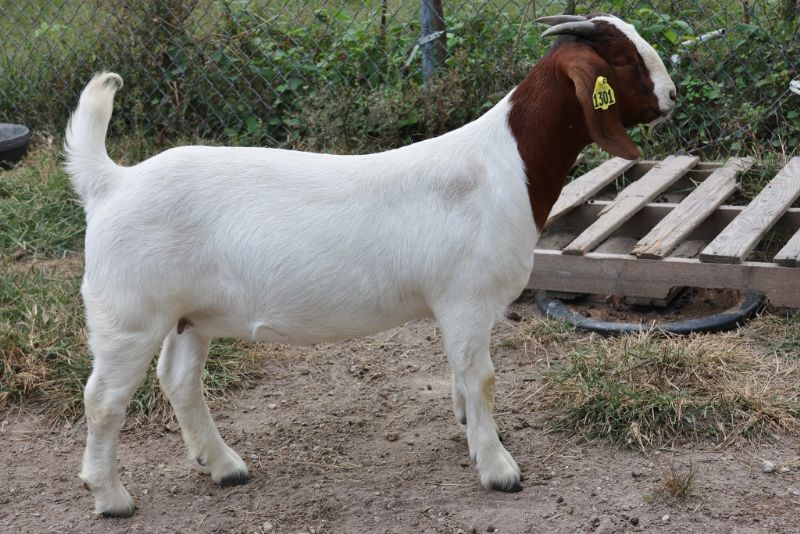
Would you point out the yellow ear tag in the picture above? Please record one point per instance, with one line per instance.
(603, 94)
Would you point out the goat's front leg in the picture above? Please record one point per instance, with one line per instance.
(180, 370)
(466, 333)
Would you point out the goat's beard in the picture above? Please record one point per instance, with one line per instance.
(652, 124)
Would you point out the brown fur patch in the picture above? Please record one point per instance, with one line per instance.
(548, 126)
(488, 391)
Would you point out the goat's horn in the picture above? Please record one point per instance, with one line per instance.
(559, 19)
(580, 29)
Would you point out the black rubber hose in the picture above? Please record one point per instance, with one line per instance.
(718, 322)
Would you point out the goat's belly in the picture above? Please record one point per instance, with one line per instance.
(318, 324)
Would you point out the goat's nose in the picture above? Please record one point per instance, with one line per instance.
(672, 94)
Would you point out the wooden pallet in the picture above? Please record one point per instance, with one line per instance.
(669, 228)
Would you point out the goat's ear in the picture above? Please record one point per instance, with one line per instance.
(590, 74)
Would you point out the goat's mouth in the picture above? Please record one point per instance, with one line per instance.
(661, 115)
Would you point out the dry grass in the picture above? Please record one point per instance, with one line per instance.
(646, 391)
(537, 336)
(778, 333)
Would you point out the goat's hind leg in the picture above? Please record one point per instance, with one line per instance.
(120, 362)
(180, 370)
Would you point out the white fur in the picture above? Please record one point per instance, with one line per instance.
(663, 85)
(87, 161)
(291, 247)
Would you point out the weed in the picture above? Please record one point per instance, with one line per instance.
(679, 483)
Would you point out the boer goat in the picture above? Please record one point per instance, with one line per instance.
(292, 247)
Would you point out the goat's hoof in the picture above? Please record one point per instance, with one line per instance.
(234, 479)
(512, 486)
(119, 514)
(499, 471)
(508, 481)
(115, 503)
(227, 469)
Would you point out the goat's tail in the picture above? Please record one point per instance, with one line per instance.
(88, 164)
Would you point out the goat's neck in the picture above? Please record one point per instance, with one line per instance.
(548, 125)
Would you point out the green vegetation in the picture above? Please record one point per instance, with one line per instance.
(42, 339)
(39, 214)
(332, 77)
(733, 98)
(645, 391)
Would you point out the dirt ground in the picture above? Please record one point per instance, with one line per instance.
(690, 303)
(359, 437)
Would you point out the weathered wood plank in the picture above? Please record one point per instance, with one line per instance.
(582, 188)
(623, 274)
(789, 255)
(689, 248)
(692, 211)
(662, 175)
(617, 245)
(631, 200)
(652, 213)
(739, 238)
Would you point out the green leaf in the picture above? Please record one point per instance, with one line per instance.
(251, 124)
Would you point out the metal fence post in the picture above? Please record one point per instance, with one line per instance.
(434, 53)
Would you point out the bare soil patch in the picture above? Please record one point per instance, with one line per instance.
(690, 303)
(360, 437)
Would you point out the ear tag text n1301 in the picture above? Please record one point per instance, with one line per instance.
(603, 94)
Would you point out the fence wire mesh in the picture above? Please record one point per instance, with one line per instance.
(334, 75)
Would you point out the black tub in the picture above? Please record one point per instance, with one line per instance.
(14, 140)
(748, 304)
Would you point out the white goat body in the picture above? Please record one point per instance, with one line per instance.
(291, 247)
(294, 247)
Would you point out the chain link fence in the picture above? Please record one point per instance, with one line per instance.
(340, 75)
